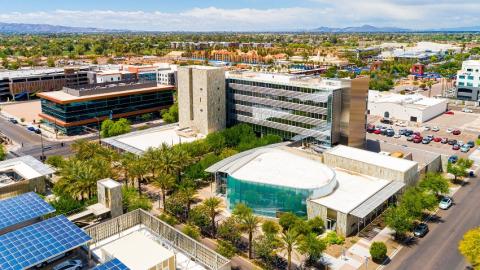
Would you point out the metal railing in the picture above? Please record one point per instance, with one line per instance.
(180, 241)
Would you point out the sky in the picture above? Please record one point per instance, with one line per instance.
(242, 15)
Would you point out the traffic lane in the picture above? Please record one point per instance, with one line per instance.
(438, 249)
(18, 134)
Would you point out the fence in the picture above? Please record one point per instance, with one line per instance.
(190, 247)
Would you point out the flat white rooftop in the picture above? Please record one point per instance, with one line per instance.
(139, 141)
(26, 166)
(141, 248)
(352, 190)
(418, 101)
(281, 168)
(373, 158)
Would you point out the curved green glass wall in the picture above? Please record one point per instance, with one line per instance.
(267, 200)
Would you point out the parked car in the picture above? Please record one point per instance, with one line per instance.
(435, 129)
(465, 148)
(390, 132)
(449, 130)
(409, 138)
(471, 144)
(44, 263)
(401, 124)
(13, 120)
(460, 143)
(445, 203)
(467, 110)
(426, 128)
(386, 121)
(397, 135)
(30, 128)
(402, 131)
(444, 140)
(425, 141)
(420, 230)
(417, 139)
(69, 265)
(455, 147)
(437, 139)
(452, 142)
(377, 131)
(453, 159)
(408, 132)
(456, 132)
(449, 112)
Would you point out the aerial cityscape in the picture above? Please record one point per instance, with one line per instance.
(221, 135)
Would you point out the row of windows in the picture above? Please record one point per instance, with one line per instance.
(274, 119)
(277, 97)
(295, 112)
(274, 86)
(467, 84)
(461, 77)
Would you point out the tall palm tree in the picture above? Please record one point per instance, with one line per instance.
(165, 182)
(249, 223)
(166, 162)
(290, 240)
(213, 205)
(189, 193)
(126, 162)
(138, 169)
(152, 155)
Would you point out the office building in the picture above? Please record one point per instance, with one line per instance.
(20, 84)
(468, 81)
(201, 98)
(70, 110)
(413, 108)
(300, 108)
(346, 187)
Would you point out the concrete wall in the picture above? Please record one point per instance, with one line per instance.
(404, 112)
(409, 177)
(202, 98)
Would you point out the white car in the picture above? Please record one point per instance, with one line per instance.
(69, 265)
(435, 129)
(426, 128)
(397, 135)
(445, 203)
(401, 124)
(466, 110)
(449, 130)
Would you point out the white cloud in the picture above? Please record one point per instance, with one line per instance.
(401, 13)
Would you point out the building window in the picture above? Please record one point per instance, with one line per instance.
(461, 77)
(461, 83)
(470, 77)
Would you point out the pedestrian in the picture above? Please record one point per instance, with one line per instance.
(22, 144)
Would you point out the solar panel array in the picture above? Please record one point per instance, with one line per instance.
(22, 208)
(34, 244)
(114, 264)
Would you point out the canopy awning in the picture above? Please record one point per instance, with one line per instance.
(377, 199)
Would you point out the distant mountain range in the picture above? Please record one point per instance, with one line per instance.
(25, 28)
(372, 29)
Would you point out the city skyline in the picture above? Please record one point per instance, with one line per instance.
(243, 15)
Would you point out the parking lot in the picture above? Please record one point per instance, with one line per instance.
(78, 254)
(467, 123)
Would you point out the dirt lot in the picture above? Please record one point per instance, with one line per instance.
(28, 110)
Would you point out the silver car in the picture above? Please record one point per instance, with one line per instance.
(69, 265)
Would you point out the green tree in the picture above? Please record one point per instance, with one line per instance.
(378, 251)
(316, 224)
(288, 220)
(3, 153)
(170, 115)
(270, 227)
(132, 200)
(230, 230)
(311, 246)
(249, 224)
(265, 247)
(55, 161)
(435, 182)
(289, 240)
(399, 219)
(50, 62)
(226, 249)
(241, 210)
(212, 206)
(165, 182)
(192, 231)
(112, 128)
(469, 247)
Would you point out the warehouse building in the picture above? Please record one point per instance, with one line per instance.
(413, 108)
(347, 193)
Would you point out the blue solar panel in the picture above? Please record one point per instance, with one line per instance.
(22, 208)
(114, 264)
(39, 242)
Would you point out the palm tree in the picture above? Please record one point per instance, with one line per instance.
(189, 193)
(249, 223)
(137, 170)
(126, 162)
(213, 205)
(290, 240)
(429, 85)
(152, 155)
(165, 182)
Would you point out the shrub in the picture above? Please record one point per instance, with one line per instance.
(66, 204)
(226, 249)
(55, 161)
(317, 225)
(170, 220)
(132, 200)
(378, 251)
(288, 220)
(192, 231)
(333, 238)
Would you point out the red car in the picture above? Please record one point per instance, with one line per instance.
(377, 131)
(416, 134)
(417, 139)
(437, 139)
(455, 147)
(450, 113)
(456, 132)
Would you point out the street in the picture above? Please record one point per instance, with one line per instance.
(438, 249)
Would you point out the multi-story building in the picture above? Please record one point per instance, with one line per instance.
(21, 83)
(300, 108)
(468, 81)
(201, 98)
(167, 75)
(70, 110)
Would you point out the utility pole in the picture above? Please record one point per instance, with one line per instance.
(42, 158)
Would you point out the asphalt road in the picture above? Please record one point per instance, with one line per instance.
(438, 249)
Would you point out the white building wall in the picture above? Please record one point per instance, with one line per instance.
(405, 112)
(103, 78)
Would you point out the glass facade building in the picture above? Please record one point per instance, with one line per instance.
(267, 200)
(292, 111)
(71, 117)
